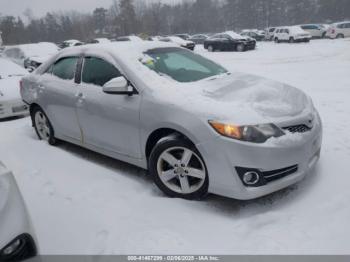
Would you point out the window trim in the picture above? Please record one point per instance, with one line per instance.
(84, 56)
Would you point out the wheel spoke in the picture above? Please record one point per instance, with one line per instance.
(168, 175)
(186, 157)
(170, 159)
(185, 186)
(193, 172)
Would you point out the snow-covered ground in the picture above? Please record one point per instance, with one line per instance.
(85, 203)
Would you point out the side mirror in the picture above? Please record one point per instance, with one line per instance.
(118, 86)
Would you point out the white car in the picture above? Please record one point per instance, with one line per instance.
(269, 33)
(11, 103)
(316, 31)
(70, 43)
(17, 237)
(291, 34)
(30, 56)
(179, 41)
(339, 30)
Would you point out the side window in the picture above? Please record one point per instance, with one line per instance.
(98, 72)
(65, 68)
(347, 25)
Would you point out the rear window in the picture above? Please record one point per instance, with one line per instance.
(65, 68)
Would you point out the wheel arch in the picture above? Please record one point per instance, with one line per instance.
(160, 133)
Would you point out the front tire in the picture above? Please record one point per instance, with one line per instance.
(42, 126)
(240, 48)
(291, 40)
(277, 41)
(178, 169)
(340, 36)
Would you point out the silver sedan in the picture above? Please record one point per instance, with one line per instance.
(195, 126)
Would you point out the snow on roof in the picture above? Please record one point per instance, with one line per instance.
(233, 34)
(8, 68)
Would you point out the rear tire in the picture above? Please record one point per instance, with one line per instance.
(340, 36)
(42, 126)
(291, 40)
(178, 169)
(277, 41)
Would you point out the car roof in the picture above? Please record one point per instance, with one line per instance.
(118, 49)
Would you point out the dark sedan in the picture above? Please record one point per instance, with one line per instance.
(229, 41)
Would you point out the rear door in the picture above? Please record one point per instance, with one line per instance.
(109, 122)
(58, 97)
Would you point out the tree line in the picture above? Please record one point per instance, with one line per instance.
(126, 17)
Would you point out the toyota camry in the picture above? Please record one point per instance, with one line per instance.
(196, 127)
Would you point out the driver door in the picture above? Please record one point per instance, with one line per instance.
(109, 122)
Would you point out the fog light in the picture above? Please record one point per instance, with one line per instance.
(251, 178)
(9, 250)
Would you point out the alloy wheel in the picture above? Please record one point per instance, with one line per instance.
(181, 170)
(42, 126)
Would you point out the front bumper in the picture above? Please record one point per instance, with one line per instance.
(13, 108)
(224, 155)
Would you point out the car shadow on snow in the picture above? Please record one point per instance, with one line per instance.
(10, 119)
(213, 203)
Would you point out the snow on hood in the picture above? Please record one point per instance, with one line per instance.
(179, 40)
(238, 98)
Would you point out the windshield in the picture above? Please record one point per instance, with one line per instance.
(181, 65)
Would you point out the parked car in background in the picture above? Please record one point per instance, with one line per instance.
(179, 41)
(229, 41)
(269, 33)
(198, 39)
(339, 30)
(291, 34)
(133, 38)
(255, 34)
(183, 36)
(99, 41)
(316, 31)
(0, 39)
(170, 110)
(17, 237)
(11, 103)
(70, 43)
(30, 56)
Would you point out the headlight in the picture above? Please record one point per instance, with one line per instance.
(252, 133)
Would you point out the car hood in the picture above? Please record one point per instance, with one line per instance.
(9, 88)
(241, 99)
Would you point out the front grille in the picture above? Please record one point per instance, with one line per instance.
(298, 129)
(270, 176)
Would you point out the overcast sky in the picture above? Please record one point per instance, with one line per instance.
(40, 7)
